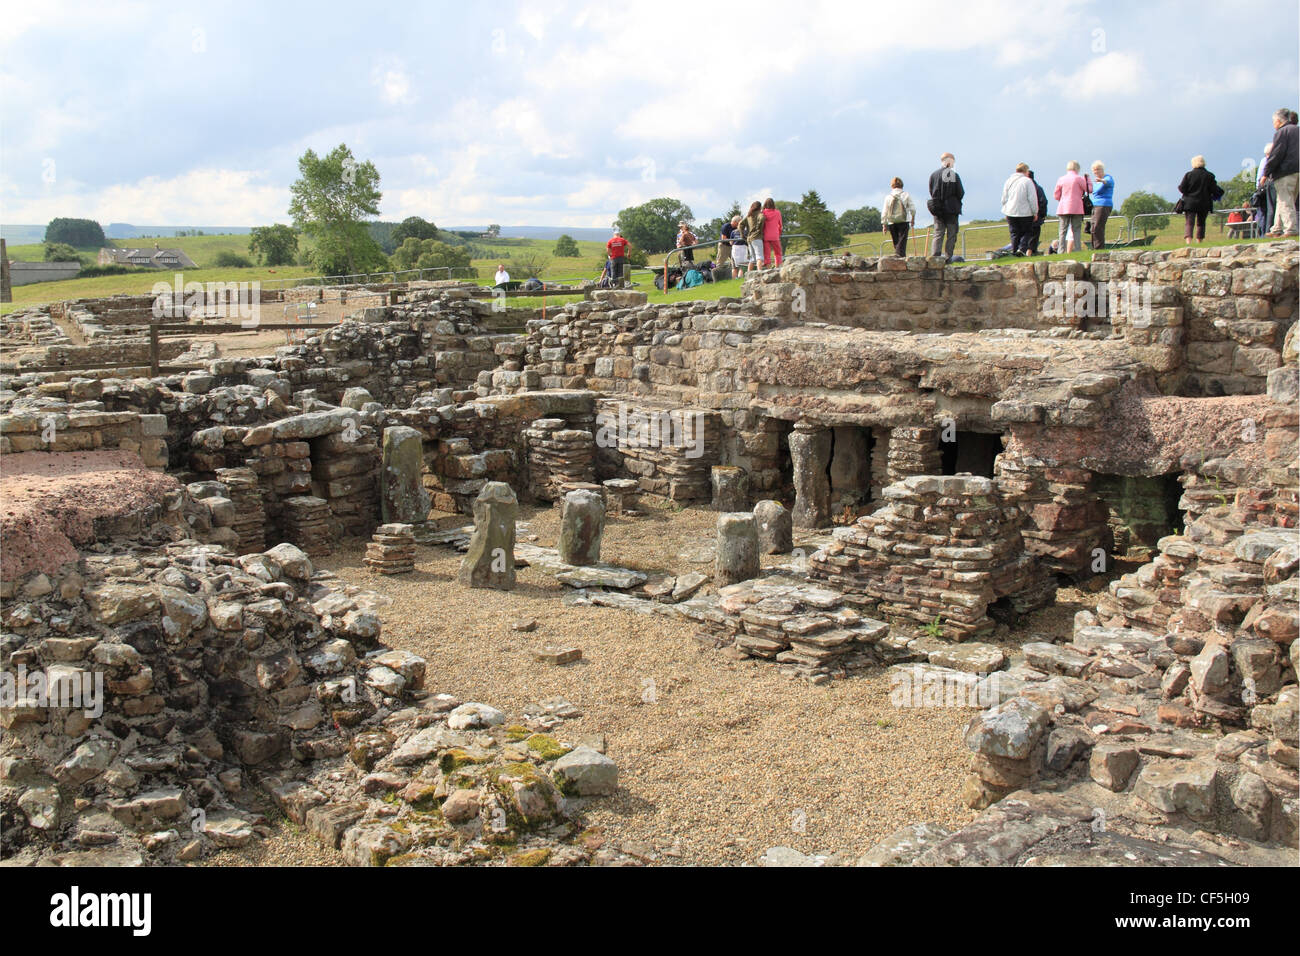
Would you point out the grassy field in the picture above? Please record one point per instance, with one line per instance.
(981, 239)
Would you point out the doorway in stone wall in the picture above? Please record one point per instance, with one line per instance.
(1142, 510)
(853, 451)
(784, 462)
(970, 452)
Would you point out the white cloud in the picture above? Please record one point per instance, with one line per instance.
(218, 197)
(1110, 74)
(393, 81)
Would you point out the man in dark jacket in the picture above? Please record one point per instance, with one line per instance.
(1036, 229)
(945, 205)
(1284, 171)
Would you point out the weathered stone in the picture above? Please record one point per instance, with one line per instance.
(775, 527)
(730, 488)
(490, 561)
(587, 772)
(403, 499)
(582, 523)
(810, 450)
(1111, 765)
(737, 557)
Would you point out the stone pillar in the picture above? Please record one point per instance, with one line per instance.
(810, 450)
(402, 498)
(914, 450)
(730, 488)
(737, 549)
(490, 562)
(582, 522)
(775, 528)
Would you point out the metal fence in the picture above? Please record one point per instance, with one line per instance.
(1249, 227)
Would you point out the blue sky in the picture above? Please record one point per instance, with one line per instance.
(564, 113)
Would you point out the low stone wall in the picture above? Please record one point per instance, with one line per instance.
(59, 428)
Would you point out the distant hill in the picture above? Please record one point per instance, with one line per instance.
(16, 235)
(540, 232)
(124, 230)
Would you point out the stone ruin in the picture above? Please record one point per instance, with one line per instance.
(905, 458)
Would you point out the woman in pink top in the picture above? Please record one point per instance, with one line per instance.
(1070, 190)
(771, 232)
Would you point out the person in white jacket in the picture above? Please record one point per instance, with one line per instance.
(1020, 206)
(898, 216)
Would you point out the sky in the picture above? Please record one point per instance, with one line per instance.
(557, 113)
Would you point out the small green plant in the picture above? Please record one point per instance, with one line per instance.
(934, 628)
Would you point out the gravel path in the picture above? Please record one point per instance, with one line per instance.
(729, 757)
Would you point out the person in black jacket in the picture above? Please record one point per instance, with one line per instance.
(1036, 229)
(1284, 171)
(1200, 191)
(946, 194)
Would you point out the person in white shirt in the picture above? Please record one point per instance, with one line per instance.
(1020, 206)
(502, 277)
(898, 216)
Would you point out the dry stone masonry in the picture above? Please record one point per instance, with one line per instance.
(929, 451)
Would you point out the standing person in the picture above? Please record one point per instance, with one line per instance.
(617, 249)
(686, 239)
(752, 226)
(724, 247)
(1036, 230)
(946, 194)
(1069, 192)
(1020, 206)
(1265, 195)
(1103, 201)
(772, 224)
(1200, 190)
(898, 216)
(502, 277)
(1284, 171)
(739, 248)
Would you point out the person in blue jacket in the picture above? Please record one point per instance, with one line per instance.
(1103, 201)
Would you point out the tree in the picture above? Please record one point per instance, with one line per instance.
(1141, 203)
(566, 248)
(653, 225)
(75, 232)
(61, 252)
(819, 222)
(332, 198)
(494, 230)
(274, 245)
(866, 219)
(232, 260)
(530, 265)
(635, 255)
(432, 254)
(413, 227)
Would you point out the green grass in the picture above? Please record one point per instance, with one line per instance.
(204, 250)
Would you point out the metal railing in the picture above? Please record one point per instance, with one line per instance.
(1251, 226)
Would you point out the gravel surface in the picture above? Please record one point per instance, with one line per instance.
(729, 757)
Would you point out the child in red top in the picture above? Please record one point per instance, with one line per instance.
(771, 232)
